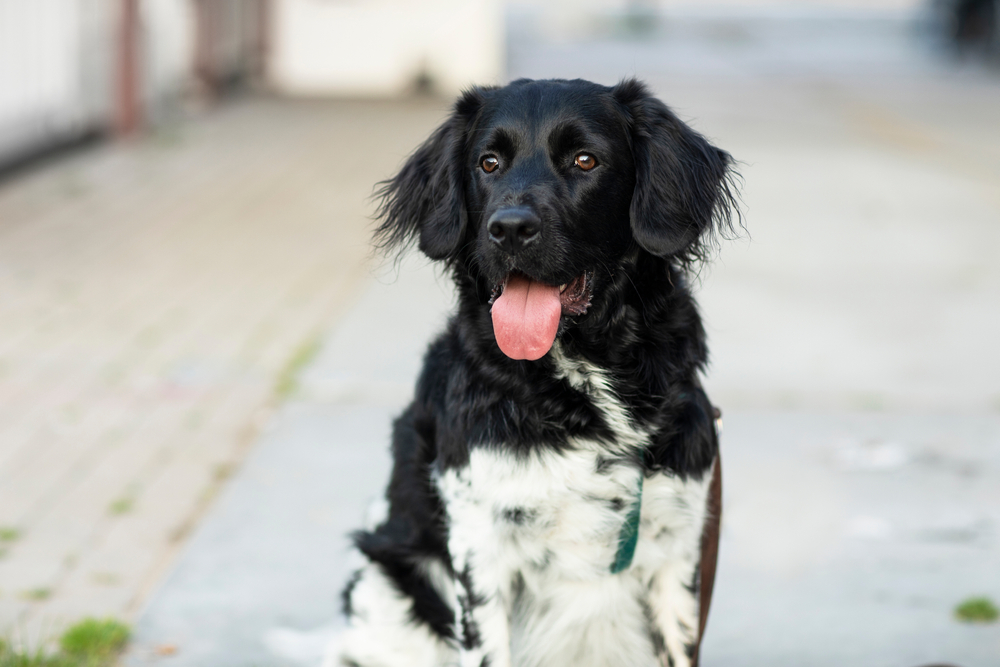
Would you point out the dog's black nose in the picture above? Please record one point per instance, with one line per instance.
(513, 228)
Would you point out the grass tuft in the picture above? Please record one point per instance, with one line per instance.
(120, 506)
(11, 658)
(288, 378)
(95, 639)
(90, 643)
(37, 594)
(977, 610)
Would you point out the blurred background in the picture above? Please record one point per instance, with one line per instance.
(200, 357)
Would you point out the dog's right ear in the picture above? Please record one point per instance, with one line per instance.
(426, 199)
(685, 189)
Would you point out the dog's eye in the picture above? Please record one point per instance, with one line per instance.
(585, 161)
(490, 163)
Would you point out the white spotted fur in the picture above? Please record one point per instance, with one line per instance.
(381, 632)
(544, 575)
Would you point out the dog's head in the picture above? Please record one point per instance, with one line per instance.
(540, 189)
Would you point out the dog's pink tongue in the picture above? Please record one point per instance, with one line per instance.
(526, 318)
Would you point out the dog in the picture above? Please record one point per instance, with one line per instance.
(556, 490)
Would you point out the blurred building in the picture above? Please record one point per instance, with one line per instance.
(385, 47)
(72, 69)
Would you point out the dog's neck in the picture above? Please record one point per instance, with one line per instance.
(645, 312)
(644, 318)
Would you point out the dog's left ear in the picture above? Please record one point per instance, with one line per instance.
(683, 191)
(426, 199)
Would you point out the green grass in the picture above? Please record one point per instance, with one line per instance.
(8, 534)
(121, 506)
(288, 378)
(977, 610)
(90, 643)
(11, 658)
(95, 639)
(36, 594)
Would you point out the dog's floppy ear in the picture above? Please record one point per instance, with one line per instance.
(426, 199)
(684, 191)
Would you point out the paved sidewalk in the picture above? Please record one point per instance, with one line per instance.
(156, 298)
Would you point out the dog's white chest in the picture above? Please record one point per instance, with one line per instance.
(547, 512)
(534, 537)
(557, 511)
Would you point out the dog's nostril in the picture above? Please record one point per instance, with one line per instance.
(497, 231)
(527, 231)
(512, 234)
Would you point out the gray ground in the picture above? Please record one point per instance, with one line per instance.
(855, 359)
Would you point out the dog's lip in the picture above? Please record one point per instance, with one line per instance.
(574, 296)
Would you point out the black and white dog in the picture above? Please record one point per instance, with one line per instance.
(555, 495)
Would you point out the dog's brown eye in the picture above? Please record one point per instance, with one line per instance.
(490, 163)
(585, 161)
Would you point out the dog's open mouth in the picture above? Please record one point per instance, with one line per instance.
(526, 312)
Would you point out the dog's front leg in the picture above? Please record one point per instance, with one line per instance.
(681, 590)
(675, 605)
(481, 616)
(481, 621)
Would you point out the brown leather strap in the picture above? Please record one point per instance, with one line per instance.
(709, 551)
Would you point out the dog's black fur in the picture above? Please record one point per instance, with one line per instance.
(634, 225)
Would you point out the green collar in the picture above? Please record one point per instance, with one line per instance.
(629, 535)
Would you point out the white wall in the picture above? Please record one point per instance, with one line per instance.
(40, 85)
(168, 28)
(380, 47)
(58, 66)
